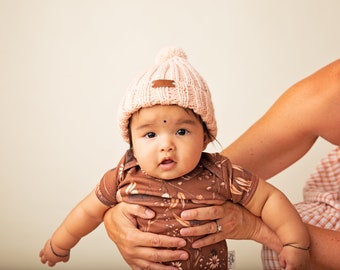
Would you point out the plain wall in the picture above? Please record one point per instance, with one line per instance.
(64, 65)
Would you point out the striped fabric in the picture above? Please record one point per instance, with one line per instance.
(321, 205)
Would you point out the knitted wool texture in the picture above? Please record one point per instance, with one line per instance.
(189, 90)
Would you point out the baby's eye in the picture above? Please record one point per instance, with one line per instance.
(182, 131)
(150, 135)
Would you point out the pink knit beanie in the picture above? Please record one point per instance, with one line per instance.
(171, 81)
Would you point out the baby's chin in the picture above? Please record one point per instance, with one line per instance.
(167, 175)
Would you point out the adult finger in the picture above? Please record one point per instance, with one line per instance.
(204, 213)
(134, 210)
(209, 240)
(146, 239)
(142, 265)
(207, 228)
(150, 258)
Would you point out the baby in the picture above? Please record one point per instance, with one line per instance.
(167, 117)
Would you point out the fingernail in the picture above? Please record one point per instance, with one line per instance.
(184, 214)
(194, 245)
(184, 231)
(182, 243)
(149, 213)
(183, 256)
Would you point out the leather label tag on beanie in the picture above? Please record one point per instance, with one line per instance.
(163, 83)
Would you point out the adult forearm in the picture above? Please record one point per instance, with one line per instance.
(325, 246)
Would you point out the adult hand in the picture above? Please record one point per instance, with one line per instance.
(141, 250)
(236, 223)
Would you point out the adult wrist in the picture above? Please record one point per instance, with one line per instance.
(266, 236)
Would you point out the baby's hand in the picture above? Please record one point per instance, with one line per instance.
(49, 254)
(293, 257)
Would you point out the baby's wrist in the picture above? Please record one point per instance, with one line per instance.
(297, 246)
(57, 253)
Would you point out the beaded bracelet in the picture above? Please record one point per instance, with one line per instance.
(56, 254)
(293, 246)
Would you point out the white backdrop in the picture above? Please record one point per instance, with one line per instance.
(64, 65)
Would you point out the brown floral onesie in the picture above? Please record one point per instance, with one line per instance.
(214, 178)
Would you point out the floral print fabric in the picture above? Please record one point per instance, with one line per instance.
(215, 178)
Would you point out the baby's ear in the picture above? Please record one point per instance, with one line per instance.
(206, 141)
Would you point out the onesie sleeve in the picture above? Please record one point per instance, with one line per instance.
(107, 188)
(239, 184)
(242, 184)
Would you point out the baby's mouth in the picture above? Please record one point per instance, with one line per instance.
(167, 161)
(167, 164)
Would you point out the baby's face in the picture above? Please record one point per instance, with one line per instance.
(167, 140)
